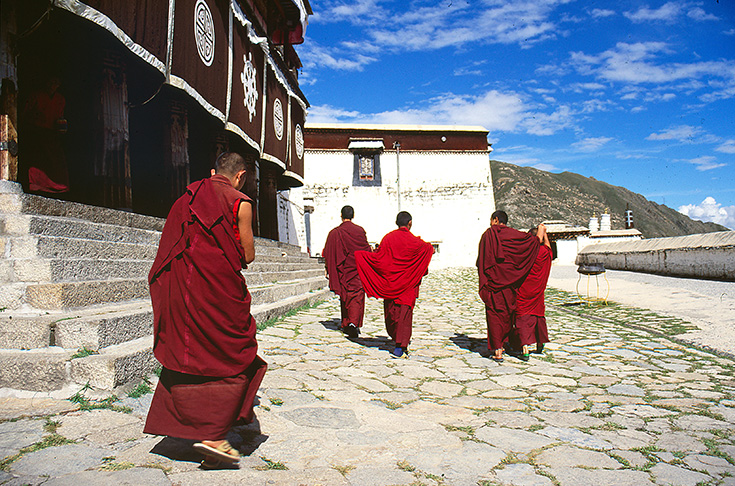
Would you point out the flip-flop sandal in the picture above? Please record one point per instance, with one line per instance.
(224, 452)
(212, 463)
(496, 359)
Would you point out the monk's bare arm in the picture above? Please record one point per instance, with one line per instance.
(541, 234)
(245, 227)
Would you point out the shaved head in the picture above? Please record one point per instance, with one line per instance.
(229, 164)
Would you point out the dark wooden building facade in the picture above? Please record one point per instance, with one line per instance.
(154, 90)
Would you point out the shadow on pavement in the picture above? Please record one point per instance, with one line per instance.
(245, 438)
(331, 324)
(380, 342)
(476, 345)
(177, 449)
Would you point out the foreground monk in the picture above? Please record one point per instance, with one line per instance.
(339, 257)
(394, 273)
(204, 334)
(505, 256)
(531, 309)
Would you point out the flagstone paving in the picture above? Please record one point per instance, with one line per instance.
(606, 404)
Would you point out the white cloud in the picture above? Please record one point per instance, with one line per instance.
(706, 162)
(601, 13)
(330, 114)
(641, 62)
(699, 14)
(728, 147)
(494, 110)
(682, 133)
(545, 167)
(531, 162)
(667, 13)
(711, 210)
(442, 24)
(591, 144)
(549, 123)
(315, 55)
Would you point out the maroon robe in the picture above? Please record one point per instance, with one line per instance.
(394, 273)
(339, 256)
(531, 309)
(505, 256)
(204, 334)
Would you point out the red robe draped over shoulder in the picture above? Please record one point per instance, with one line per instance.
(531, 293)
(504, 258)
(201, 304)
(396, 269)
(339, 256)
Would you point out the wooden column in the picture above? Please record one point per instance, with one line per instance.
(176, 153)
(8, 150)
(112, 161)
(267, 203)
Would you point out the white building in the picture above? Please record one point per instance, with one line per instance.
(568, 240)
(439, 174)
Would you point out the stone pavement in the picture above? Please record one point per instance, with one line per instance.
(606, 404)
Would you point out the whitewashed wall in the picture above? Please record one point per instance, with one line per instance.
(709, 256)
(291, 227)
(449, 195)
(566, 252)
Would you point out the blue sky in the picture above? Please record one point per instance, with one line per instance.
(636, 94)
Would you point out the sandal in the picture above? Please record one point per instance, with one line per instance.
(223, 452)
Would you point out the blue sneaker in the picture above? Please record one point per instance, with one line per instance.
(399, 352)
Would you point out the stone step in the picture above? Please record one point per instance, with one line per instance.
(266, 278)
(25, 224)
(44, 246)
(92, 327)
(100, 327)
(260, 266)
(264, 258)
(12, 295)
(36, 370)
(264, 312)
(64, 295)
(75, 269)
(39, 205)
(261, 248)
(282, 290)
(115, 365)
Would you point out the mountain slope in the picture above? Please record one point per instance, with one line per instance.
(530, 196)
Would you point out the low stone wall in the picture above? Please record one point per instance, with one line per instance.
(706, 256)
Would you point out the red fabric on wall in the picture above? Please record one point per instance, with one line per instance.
(201, 304)
(530, 299)
(396, 269)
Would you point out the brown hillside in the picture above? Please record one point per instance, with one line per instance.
(530, 196)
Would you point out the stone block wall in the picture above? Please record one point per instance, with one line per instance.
(705, 256)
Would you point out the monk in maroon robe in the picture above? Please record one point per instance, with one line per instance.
(339, 257)
(505, 257)
(393, 273)
(530, 322)
(204, 334)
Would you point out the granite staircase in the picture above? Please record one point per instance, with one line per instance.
(74, 303)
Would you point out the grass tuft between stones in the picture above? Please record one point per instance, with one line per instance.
(52, 440)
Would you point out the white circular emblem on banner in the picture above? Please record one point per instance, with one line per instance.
(299, 136)
(278, 119)
(249, 85)
(204, 32)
